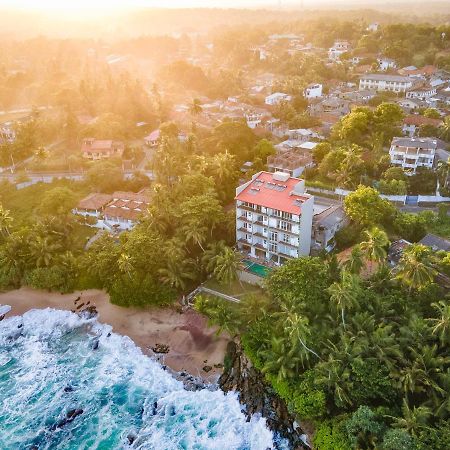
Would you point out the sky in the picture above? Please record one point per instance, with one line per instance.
(117, 4)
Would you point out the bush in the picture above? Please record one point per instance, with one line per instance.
(347, 236)
(302, 398)
(329, 436)
(136, 291)
(54, 278)
(398, 440)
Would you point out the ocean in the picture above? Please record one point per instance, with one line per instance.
(68, 382)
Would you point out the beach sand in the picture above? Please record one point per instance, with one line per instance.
(192, 344)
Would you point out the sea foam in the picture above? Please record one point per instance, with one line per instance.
(48, 366)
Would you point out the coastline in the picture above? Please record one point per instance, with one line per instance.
(192, 344)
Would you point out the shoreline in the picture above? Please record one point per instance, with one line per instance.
(192, 344)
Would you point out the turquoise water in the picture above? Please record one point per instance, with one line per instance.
(49, 366)
(257, 269)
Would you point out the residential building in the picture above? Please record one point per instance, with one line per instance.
(293, 162)
(117, 211)
(313, 91)
(276, 98)
(412, 153)
(338, 49)
(408, 104)
(96, 149)
(411, 124)
(422, 92)
(152, 139)
(436, 243)
(383, 82)
(373, 27)
(330, 105)
(7, 134)
(386, 63)
(327, 221)
(273, 217)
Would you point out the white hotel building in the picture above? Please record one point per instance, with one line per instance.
(274, 217)
(382, 82)
(412, 153)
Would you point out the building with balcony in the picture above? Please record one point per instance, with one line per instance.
(412, 153)
(313, 91)
(383, 82)
(292, 162)
(96, 149)
(273, 217)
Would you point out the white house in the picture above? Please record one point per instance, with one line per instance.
(412, 153)
(338, 49)
(386, 63)
(382, 82)
(277, 97)
(313, 91)
(274, 217)
(373, 27)
(426, 90)
(117, 211)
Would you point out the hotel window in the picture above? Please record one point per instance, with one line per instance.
(248, 226)
(273, 236)
(286, 215)
(273, 248)
(285, 226)
(286, 238)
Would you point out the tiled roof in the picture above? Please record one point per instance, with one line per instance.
(418, 120)
(94, 201)
(265, 191)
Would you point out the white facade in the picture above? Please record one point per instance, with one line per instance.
(386, 63)
(266, 232)
(411, 153)
(422, 93)
(338, 49)
(253, 119)
(313, 91)
(276, 98)
(392, 83)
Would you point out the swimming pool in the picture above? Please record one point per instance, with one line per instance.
(256, 269)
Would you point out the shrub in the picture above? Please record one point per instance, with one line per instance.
(50, 278)
(330, 436)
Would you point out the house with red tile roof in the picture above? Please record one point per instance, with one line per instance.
(273, 217)
(117, 211)
(96, 149)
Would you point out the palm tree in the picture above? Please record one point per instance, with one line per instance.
(413, 420)
(279, 359)
(195, 107)
(355, 262)
(125, 263)
(445, 129)
(344, 294)
(227, 264)
(297, 328)
(177, 272)
(195, 233)
(223, 166)
(374, 247)
(209, 256)
(43, 251)
(5, 221)
(253, 307)
(415, 269)
(442, 324)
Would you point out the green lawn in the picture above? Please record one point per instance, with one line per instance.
(235, 288)
(22, 202)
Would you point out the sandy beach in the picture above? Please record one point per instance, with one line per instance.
(192, 344)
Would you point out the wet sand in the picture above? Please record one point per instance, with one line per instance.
(192, 344)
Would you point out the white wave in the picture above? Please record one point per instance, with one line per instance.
(54, 368)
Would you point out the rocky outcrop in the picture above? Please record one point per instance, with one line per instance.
(259, 397)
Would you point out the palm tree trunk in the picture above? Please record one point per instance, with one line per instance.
(343, 320)
(308, 349)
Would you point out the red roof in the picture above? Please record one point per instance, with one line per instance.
(421, 120)
(264, 190)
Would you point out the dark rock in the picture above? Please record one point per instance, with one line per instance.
(80, 305)
(89, 312)
(259, 397)
(95, 344)
(77, 300)
(131, 438)
(218, 366)
(161, 348)
(155, 408)
(20, 325)
(207, 369)
(108, 335)
(68, 389)
(70, 417)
